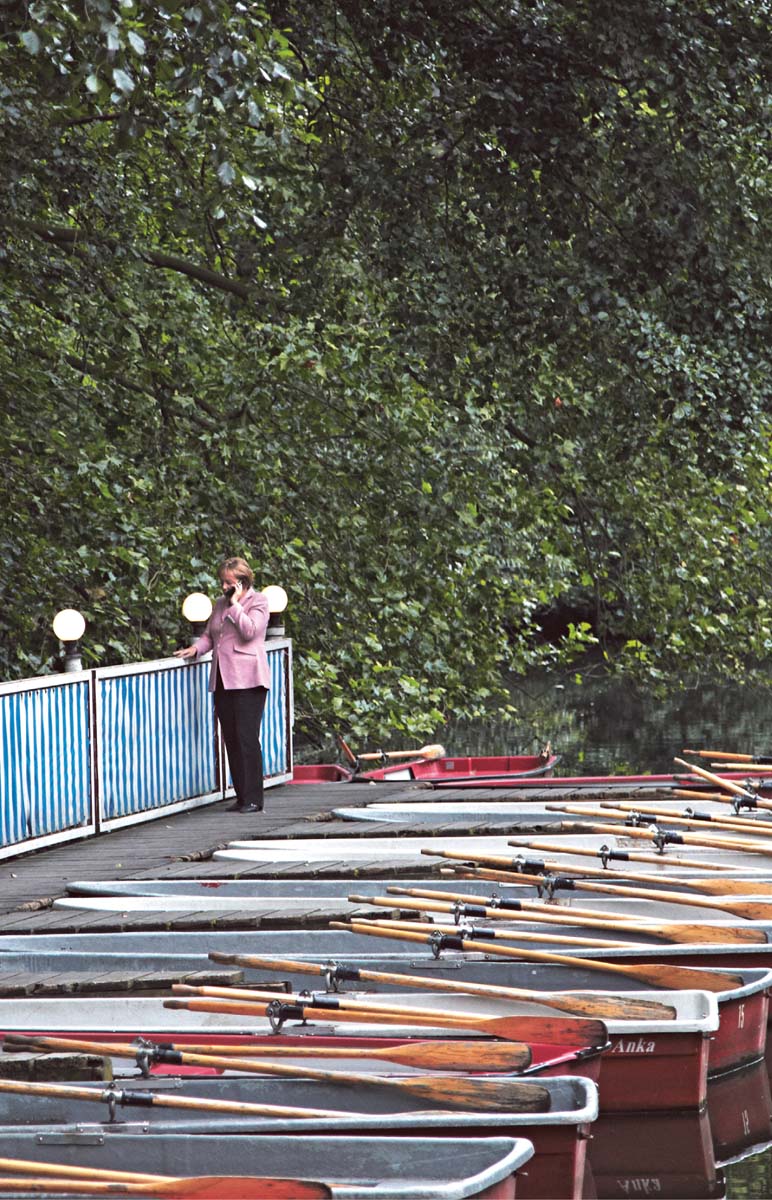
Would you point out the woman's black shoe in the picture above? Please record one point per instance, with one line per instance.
(237, 807)
(251, 808)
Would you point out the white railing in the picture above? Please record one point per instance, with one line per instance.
(99, 749)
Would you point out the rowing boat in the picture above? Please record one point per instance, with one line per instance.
(424, 852)
(376, 1168)
(558, 1135)
(324, 889)
(461, 768)
(525, 812)
(597, 916)
(596, 783)
(630, 1072)
(146, 952)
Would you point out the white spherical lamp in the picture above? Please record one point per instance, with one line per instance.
(197, 608)
(277, 602)
(69, 626)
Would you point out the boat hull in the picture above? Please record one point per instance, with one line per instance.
(559, 1137)
(377, 1167)
(641, 1053)
(477, 768)
(424, 852)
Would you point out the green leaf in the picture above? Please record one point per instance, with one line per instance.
(30, 41)
(123, 81)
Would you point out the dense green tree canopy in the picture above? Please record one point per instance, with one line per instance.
(452, 317)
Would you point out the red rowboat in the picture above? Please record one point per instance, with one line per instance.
(462, 768)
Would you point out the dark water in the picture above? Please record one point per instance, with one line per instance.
(602, 726)
(611, 727)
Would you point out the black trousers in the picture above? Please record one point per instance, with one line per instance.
(240, 712)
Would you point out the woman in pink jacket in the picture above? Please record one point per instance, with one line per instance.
(240, 676)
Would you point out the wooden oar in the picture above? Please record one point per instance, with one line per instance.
(435, 1055)
(737, 818)
(693, 818)
(577, 1031)
(612, 854)
(752, 910)
(552, 867)
(755, 768)
(692, 793)
(161, 1100)
(520, 864)
(489, 1094)
(63, 1177)
(670, 837)
(655, 974)
(530, 935)
(729, 756)
(517, 1055)
(518, 935)
(508, 1028)
(347, 751)
(728, 785)
(486, 1094)
(588, 1006)
(613, 810)
(531, 911)
(427, 752)
(615, 854)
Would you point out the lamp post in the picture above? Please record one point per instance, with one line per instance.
(277, 602)
(196, 608)
(69, 626)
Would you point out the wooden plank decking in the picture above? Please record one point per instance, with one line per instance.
(181, 846)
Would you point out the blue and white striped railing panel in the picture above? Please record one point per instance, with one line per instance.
(45, 770)
(155, 738)
(275, 728)
(273, 731)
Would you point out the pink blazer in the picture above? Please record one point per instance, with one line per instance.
(235, 633)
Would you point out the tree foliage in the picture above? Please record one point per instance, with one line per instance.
(451, 317)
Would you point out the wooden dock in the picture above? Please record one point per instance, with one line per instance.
(181, 846)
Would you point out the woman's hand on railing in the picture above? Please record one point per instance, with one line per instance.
(185, 652)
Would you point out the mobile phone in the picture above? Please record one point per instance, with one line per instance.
(229, 592)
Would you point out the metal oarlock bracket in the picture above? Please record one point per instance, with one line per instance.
(278, 1012)
(636, 818)
(275, 1015)
(110, 1097)
(604, 854)
(145, 1055)
(330, 976)
(459, 911)
(436, 940)
(548, 886)
(741, 802)
(662, 838)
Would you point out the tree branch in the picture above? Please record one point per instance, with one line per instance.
(69, 238)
